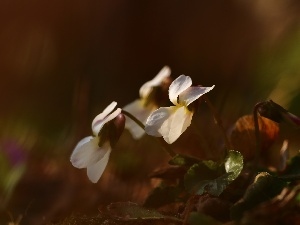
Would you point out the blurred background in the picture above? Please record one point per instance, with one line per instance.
(62, 62)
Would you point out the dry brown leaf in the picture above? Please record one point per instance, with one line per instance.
(243, 135)
(214, 206)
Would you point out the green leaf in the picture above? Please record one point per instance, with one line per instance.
(183, 160)
(211, 164)
(264, 188)
(214, 187)
(197, 177)
(200, 179)
(197, 218)
(233, 164)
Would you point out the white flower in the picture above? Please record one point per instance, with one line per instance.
(87, 153)
(143, 107)
(171, 122)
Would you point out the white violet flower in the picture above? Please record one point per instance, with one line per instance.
(171, 122)
(93, 152)
(143, 107)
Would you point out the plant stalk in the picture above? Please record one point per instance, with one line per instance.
(257, 134)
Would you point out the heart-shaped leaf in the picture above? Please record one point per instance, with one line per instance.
(200, 179)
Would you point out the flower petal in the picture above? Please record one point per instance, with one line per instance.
(156, 81)
(179, 85)
(178, 122)
(86, 152)
(193, 93)
(137, 109)
(169, 122)
(99, 124)
(98, 119)
(157, 119)
(96, 170)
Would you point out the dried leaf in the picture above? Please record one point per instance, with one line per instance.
(127, 211)
(215, 207)
(243, 135)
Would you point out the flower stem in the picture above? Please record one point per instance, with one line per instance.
(219, 123)
(256, 127)
(292, 177)
(164, 145)
(137, 121)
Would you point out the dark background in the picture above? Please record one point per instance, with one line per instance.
(62, 62)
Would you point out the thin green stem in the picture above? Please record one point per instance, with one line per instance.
(164, 145)
(219, 123)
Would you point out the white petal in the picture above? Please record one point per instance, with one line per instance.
(178, 123)
(105, 112)
(86, 152)
(156, 120)
(98, 119)
(156, 81)
(99, 124)
(179, 85)
(96, 170)
(137, 109)
(193, 93)
(169, 122)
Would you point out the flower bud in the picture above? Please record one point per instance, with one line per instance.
(277, 113)
(272, 111)
(116, 129)
(112, 130)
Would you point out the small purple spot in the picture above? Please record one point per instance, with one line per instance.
(13, 150)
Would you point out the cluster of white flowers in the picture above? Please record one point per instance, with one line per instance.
(168, 122)
(144, 106)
